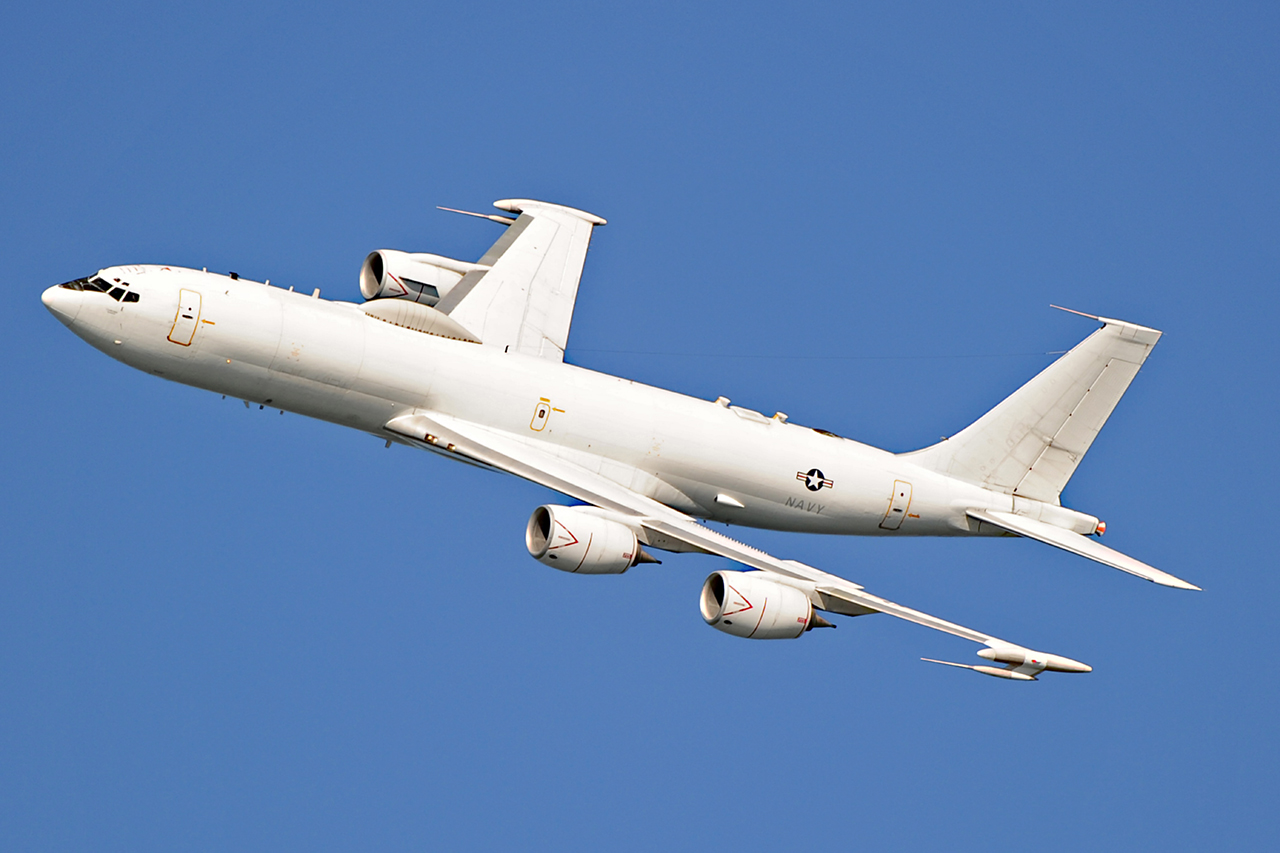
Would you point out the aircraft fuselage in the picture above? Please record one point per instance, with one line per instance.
(330, 360)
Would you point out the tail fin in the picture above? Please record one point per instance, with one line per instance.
(1031, 443)
(522, 300)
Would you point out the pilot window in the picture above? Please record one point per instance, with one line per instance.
(118, 292)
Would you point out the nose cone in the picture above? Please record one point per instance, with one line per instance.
(62, 302)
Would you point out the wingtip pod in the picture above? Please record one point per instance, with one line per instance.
(1010, 674)
(1026, 658)
(994, 671)
(1021, 664)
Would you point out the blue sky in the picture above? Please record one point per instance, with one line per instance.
(231, 629)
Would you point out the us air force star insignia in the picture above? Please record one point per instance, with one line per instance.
(813, 480)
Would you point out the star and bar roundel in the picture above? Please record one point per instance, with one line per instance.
(814, 480)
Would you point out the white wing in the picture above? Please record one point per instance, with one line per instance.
(524, 302)
(663, 524)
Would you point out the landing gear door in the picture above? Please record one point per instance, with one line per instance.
(184, 324)
(898, 505)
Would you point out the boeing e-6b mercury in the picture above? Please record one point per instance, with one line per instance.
(466, 360)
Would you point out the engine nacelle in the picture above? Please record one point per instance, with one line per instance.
(419, 277)
(582, 540)
(747, 604)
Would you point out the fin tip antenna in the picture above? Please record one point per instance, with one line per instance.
(1074, 311)
(505, 220)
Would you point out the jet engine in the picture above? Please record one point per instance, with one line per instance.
(747, 604)
(582, 540)
(419, 277)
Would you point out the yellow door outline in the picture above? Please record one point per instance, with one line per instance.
(187, 318)
(899, 503)
(541, 414)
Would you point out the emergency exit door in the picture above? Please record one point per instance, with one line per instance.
(184, 324)
(898, 505)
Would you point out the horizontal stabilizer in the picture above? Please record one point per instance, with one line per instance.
(1076, 544)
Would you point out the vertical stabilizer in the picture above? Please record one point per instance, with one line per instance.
(523, 302)
(1031, 443)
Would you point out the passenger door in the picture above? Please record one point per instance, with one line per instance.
(898, 505)
(188, 316)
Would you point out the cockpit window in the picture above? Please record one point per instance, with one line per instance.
(118, 291)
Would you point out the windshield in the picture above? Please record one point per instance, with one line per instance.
(119, 291)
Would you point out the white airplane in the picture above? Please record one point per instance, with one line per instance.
(466, 360)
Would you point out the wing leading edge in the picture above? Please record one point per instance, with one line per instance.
(662, 526)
